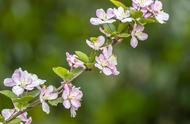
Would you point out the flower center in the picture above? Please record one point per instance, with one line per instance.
(23, 83)
(71, 96)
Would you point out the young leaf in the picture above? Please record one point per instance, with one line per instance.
(8, 93)
(118, 4)
(61, 72)
(73, 73)
(123, 35)
(27, 96)
(92, 56)
(122, 27)
(136, 14)
(56, 101)
(110, 28)
(15, 121)
(147, 21)
(82, 56)
(21, 105)
(1, 118)
(23, 99)
(33, 93)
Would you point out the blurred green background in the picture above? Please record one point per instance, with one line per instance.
(154, 84)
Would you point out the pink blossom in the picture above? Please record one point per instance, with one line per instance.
(45, 95)
(142, 3)
(72, 97)
(103, 17)
(155, 9)
(138, 33)
(23, 118)
(97, 43)
(73, 61)
(123, 15)
(107, 62)
(22, 80)
(7, 113)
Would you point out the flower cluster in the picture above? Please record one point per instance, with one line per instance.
(151, 8)
(140, 13)
(28, 91)
(7, 113)
(107, 62)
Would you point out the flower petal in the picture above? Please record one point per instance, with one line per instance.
(45, 107)
(9, 82)
(162, 17)
(66, 104)
(142, 36)
(96, 21)
(73, 112)
(134, 42)
(101, 40)
(100, 13)
(75, 103)
(17, 90)
(90, 44)
(107, 71)
(7, 113)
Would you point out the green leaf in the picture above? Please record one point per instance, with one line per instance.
(33, 93)
(1, 118)
(92, 56)
(147, 21)
(8, 93)
(27, 96)
(15, 121)
(110, 28)
(21, 105)
(61, 72)
(75, 71)
(82, 56)
(56, 101)
(93, 39)
(23, 99)
(136, 14)
(123, 35)
(118, 4)
(122, 27)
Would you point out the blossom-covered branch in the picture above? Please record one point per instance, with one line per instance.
(115, 24)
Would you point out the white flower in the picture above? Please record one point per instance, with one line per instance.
(72, 97)
(22, 80)
(137, 33)
(123, 15)
(47, 94)
(7, 113)
(160, 15)
(73, 61)
(97, 43)
(107, 62)
(143, 3)
(103, 17)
